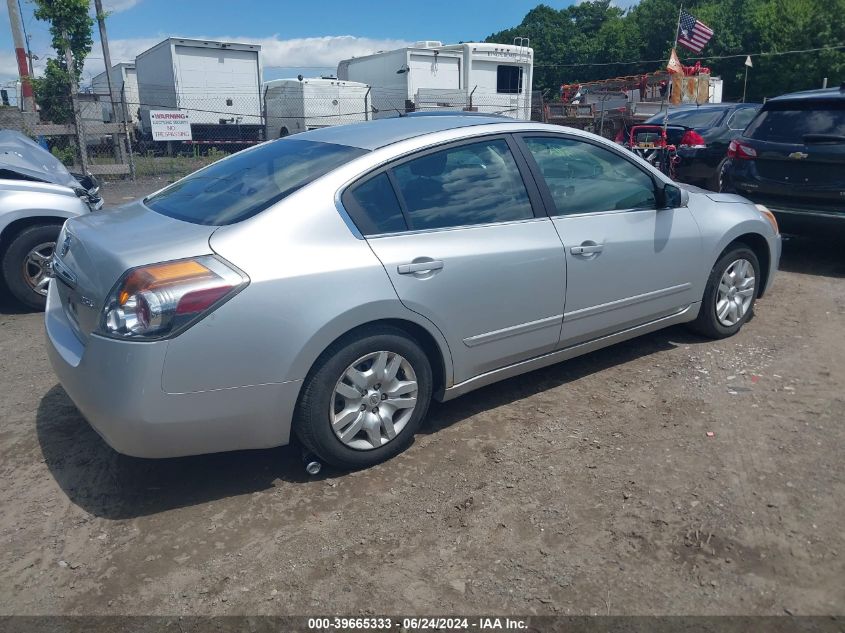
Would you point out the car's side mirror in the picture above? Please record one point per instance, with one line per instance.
(674, 197)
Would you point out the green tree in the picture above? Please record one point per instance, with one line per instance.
(71, 26)
(581, 42)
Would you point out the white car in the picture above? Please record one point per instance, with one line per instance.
(331, 283)
(37, 195)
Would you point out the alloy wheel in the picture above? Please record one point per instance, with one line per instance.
(735, 292)
(373, 400)
(36, 267)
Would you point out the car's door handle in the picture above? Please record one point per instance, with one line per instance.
(587, 249)
(419, 267)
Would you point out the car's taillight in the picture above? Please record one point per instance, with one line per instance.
(691, 138)
(160, 300)
(741, 151)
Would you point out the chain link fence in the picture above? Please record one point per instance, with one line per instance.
(118, 141)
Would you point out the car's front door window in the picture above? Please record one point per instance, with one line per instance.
(585, 178)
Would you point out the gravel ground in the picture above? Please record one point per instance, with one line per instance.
(591, 487)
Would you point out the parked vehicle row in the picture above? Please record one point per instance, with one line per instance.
(328, 285)
(702, 135)
(788, 154)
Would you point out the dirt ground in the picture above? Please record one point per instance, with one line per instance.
(591, 487)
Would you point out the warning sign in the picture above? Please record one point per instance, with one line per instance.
(170, 125)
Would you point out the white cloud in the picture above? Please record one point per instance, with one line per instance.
(319, 51)
(316, 52)
(622, 4)
(8, 65)
(116, 6)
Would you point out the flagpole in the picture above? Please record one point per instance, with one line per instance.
(669, 87)
(745, 83)
(678, 27)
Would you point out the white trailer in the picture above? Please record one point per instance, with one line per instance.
(123, 80)
(217, 83)
(297, 105)
(492, 78)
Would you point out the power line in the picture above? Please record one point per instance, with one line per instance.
(706, 58)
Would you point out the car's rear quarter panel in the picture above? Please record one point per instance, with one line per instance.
(311, 281)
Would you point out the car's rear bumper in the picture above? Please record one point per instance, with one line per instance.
(787, 201)
(695, 165)
(792, 211)
(117, 386)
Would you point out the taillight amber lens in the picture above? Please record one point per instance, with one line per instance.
(160, 300)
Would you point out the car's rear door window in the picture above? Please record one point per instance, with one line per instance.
(585, 178)
(373, 206)
(703, 118)
(249, 182)
(791, 122)
(476, 183)
(741, 118)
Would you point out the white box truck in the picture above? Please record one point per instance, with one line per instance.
(217, 83)
(297, 105)
(482, 77)
(124, 82)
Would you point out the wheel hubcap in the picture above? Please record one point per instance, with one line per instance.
(36, 267)
(735, 292)
(373, 400)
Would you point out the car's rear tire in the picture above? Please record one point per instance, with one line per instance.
(25, 264)
(730, 294)
(717, 180)
(365, 398)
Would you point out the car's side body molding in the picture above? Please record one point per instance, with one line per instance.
(687, 314)
(624, 303)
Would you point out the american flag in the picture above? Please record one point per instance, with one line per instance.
(692, 33)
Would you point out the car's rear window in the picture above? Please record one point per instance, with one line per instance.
(790, 122)
(691, 118)
(247, 183)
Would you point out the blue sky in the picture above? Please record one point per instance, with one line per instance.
(292, 34)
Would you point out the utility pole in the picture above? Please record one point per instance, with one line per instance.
(82, 148)
(104, 40)
(20, 54)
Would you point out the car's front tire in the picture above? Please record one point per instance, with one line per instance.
(730, 293)
(26, 262)
(365, 398)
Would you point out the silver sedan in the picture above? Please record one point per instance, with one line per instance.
(330, 284)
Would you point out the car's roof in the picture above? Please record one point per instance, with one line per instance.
(724, 105)
(371, 135)
(822, 94)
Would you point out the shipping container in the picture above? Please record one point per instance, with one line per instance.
(217, 83)
(123, 80)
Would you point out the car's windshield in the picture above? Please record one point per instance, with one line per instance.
(247, 183)
(791, 122)
(691, 118)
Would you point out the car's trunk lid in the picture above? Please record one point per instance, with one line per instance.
(95, 250)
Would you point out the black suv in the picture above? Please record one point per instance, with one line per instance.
(791, 157)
